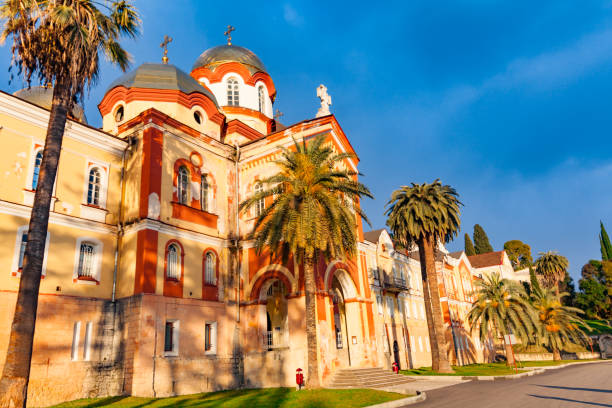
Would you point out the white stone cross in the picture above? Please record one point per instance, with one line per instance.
(326, 100)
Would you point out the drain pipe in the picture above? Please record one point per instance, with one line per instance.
(237, 240)
(120, 220)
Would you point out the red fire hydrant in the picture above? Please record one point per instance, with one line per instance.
(299, 378)
(395, 368)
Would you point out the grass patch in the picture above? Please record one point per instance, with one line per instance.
(467, 370)
(548, 363)
(260, 398)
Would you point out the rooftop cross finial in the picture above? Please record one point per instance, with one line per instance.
(228, 34)
(325, 101)
(278, 114)
(164, 45)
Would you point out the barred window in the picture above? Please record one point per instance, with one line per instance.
(173, 262)
(93, 187)
(22, 248)
(204, 193)
(86, 260)
(262, 98)
(36, 173)
(182, 185)
(209, 269)
(233, 96)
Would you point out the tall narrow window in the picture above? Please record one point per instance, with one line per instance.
(93, 187)
(379, 303)
(210, 338)
(183, 185)
(204, 193)
(209, 269)
(36, 173)
(173, 262)
(233, 96)
(260, 204)
(86, 260)
(76, 336)
(171, 338)
(22, 248)
(262, 99)
(87, 342)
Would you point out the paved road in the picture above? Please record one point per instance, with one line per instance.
(583, 385)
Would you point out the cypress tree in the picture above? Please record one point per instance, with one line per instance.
(604, 242)
(481, 240)
(468, 245)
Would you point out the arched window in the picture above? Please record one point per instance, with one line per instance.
(182, 185)
(119, 114)
(260, 205)
(233, 96)
(204, 193)
(262, 98)
(93, 187)
(86, 260)
(36, 173)
(209, 269)
(173, 262)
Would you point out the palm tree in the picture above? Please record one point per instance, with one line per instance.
(57, 42)
(502, 308)
(558, 324)
(552, 267)
(424, 214)
(313, 214)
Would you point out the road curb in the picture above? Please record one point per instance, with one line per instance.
(531, 371)
(420, 397)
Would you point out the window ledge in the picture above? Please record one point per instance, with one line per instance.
(173, 280)
(17, 274)
(94, 213)
(86, 280)
(171, 353)
(28, 198)
(191, 214)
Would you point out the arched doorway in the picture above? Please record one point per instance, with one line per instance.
(275, 333)
(396, 353)
(340, 323)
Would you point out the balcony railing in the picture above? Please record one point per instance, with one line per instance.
(395, 283)
(273, 340)
(374, 277)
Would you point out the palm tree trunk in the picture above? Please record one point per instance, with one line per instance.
(311, 323)
(556, 355)
(431, 296)
(16, 372)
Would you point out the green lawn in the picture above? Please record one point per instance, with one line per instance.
(472, 369)
(547, 363)
(260, 398)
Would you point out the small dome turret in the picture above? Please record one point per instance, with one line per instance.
(222, 54)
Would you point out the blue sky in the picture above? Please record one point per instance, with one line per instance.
(508, 102)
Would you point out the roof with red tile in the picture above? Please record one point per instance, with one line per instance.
(488, 259)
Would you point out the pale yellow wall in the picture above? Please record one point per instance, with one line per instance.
(127, 265)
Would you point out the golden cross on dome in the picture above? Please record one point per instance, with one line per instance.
(228, 34)
(278, 114)
(164, 45)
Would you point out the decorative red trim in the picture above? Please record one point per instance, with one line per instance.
(209, 291)
(145, 278)
(236, 126)
(121, 93)
(273, 274)
(195, 176)
(151, 175)
(239, 110)
(174, 287)
(236, 68)
(186, 213)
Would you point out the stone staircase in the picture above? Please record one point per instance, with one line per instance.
(367, 378)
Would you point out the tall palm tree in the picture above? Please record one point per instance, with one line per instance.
(558, 324)
(57, 42)
(502, 308)
(552, 267)
(425, 214)
(314, 209)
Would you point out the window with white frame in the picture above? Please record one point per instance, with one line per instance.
(260, 205)
(76, 337)
(420, 344)
(233, 95)
(209, 268)
(21, 242)
(210, 338)
(379, 302)
(415, 314)
(36, 170)
(261, 97)
(94, 186)
(171, 338)
(182, 185)
(173, 262)
(428, 347)
(407, 308)
(87, 260)
(204, 193)
(412, 347)
(422, 312)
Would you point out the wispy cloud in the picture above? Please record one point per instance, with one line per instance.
(291, 16)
